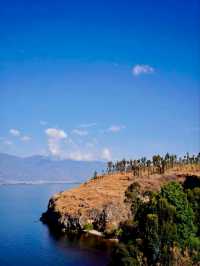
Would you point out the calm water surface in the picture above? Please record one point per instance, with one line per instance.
(24, 240)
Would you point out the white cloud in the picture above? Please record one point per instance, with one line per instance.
(15, 132)
(56, 133)
(55, 136)
(25, 138)
(81, 156)
(80, 132)
(54, 147)
(62, 146)
(88, 125)
(115, 128)
(106, 154)
(142, 69)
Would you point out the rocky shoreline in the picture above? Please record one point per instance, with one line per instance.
(103, 220)
(98, 204)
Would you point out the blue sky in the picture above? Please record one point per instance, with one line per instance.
(97, 80)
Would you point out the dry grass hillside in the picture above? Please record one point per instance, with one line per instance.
(94, 195)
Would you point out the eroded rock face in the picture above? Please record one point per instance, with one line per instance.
(106, 218)
(100, 202)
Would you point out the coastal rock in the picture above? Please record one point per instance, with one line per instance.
(100, 202)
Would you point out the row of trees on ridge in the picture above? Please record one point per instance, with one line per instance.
(158, 164)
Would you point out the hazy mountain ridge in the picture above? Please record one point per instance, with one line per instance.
(40, 168)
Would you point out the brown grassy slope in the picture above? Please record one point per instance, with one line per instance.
(110, 188)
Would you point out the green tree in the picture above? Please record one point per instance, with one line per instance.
(125, 255)
(184, 217)
(152, 242)
(194, 200)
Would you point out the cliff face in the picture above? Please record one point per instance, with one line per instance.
(99, 202)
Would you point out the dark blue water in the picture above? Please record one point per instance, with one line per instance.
(24, 240)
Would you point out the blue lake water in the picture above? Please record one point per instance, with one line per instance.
(24, 240)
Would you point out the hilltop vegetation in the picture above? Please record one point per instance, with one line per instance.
(156, 165)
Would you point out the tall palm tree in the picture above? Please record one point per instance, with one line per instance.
(109, 164)
(148, 163)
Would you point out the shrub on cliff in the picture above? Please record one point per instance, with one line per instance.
(165, 225)
(126, 255)
(184, 216)
(88, 227)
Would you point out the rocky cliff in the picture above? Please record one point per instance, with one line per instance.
(99, 202)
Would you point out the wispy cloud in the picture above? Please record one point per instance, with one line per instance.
(18, 134)
(7, 142)
(81, 156)
(25, 138)
(115, 128)
(56, 133)
(15, 132)
(106, 154)
(88, 125)
(142, 69)
(55, 136)
(80, 132)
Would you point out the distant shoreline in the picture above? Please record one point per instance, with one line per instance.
(38, 182)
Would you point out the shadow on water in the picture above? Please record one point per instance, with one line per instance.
(81, 241)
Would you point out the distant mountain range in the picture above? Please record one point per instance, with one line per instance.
(38, 169)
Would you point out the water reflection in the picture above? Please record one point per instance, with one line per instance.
(90, 245)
